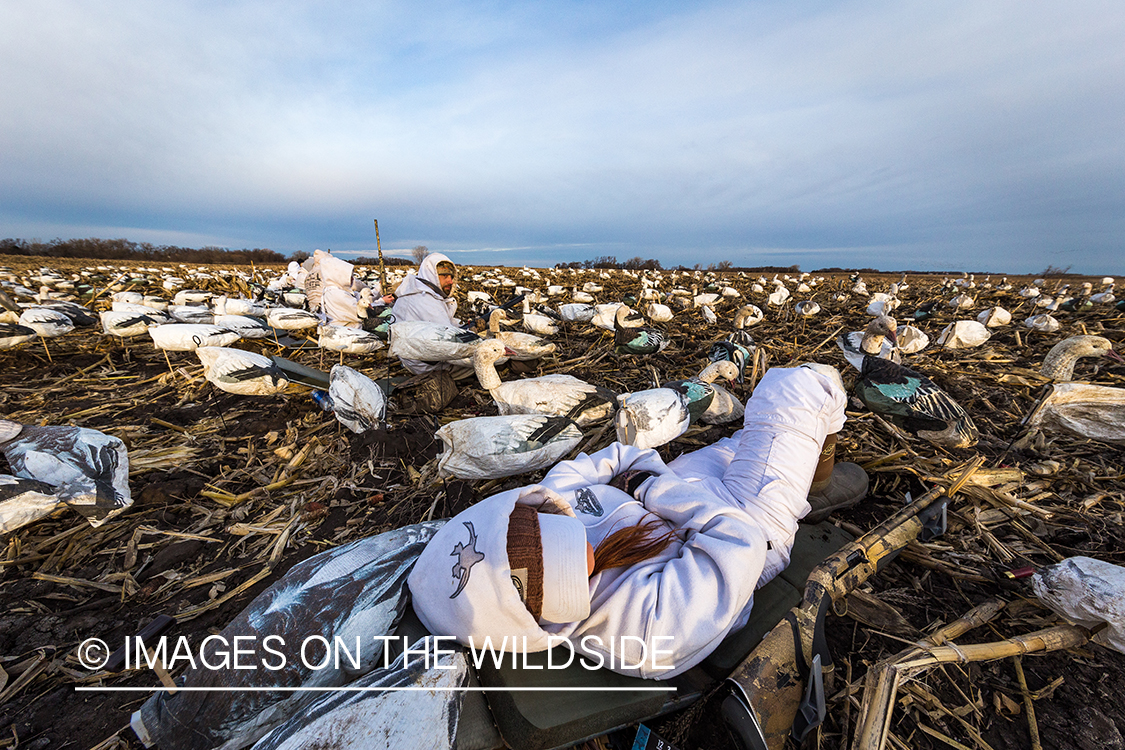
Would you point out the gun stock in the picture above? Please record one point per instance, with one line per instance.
(778, 688)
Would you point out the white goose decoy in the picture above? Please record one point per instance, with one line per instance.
(709, 315)
(186, 337)
(807, 308)
(294, 299)
(962, 302)
(188, 297)
(89, 469)
(605, 315)
(431, 342)
(1104, 297)
(357, 401)
(13, 334)
(1042, 322)
(779, 294)
(191, 314)
(540, 325)
(877, 340)
(237, 306)
(241, 372)
(654, 417)
(24, 501)
(348, 340)
(964, 334)
(554, 395)
(46, 322)
(244, 326)
(911, 340)
(723, 406)
(494, 447)
(882, 303)
(524, 346)
(125, 324)
(658, 313)
(994, 317)
(1059, 363)
(291, 319)
(577, 313)
(158, 316)
(582, 297)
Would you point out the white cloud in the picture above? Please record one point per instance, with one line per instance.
(861, 124)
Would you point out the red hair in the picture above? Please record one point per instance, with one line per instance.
(631, 545)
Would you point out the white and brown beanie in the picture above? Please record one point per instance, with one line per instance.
(501, 567)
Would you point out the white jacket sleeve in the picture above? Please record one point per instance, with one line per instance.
(601, 467)
(680, 606)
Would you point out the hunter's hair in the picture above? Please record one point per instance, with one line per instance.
(631, 545)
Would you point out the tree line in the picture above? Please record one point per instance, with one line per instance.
(137, 251)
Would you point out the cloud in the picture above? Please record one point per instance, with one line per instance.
(873, 129)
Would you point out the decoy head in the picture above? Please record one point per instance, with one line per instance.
(884, 325)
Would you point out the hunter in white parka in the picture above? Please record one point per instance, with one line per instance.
(421, 297)
(733, 508)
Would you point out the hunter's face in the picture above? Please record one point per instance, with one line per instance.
(445, 278)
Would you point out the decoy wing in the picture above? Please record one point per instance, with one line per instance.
(915, 403)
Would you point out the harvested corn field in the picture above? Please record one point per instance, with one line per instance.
(229, 491)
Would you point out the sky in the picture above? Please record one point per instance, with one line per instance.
(888, 134)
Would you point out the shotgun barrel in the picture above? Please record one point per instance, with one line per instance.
(779, 687)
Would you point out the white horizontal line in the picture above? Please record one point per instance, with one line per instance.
(259, 689)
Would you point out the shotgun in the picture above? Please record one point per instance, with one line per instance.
(779, 687)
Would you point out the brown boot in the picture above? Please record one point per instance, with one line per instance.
(846, 486)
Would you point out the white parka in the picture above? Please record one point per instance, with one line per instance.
(734, 507)
(416, 300)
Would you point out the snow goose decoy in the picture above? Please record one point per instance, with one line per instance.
(348, 340)
(290, 319)
(191, 314)
(994, 317)
(658, 313)
(244, 326)
(525, 346)
(357, 401)
(913, 402)
(241, 372)
(654, 417)
(494, 447)
(1095, 412)
(877, 340)
(723, 406)
(1059, 363)
(964, 334)
(745, 317)
(631, 337)
(1043, 322)
(24, 501)
(89, 469)
(13, 334)
(431, 342)
(555, 395)
(186, 337)
(740, 352)
(47, 323)
(577, 313)
(911, 340)
(807, 308)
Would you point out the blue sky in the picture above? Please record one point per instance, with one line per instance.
(924, 135)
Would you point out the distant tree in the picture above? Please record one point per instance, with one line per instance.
(419, 254)
(299, 256)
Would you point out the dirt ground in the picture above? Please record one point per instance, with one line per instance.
(231, 491)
